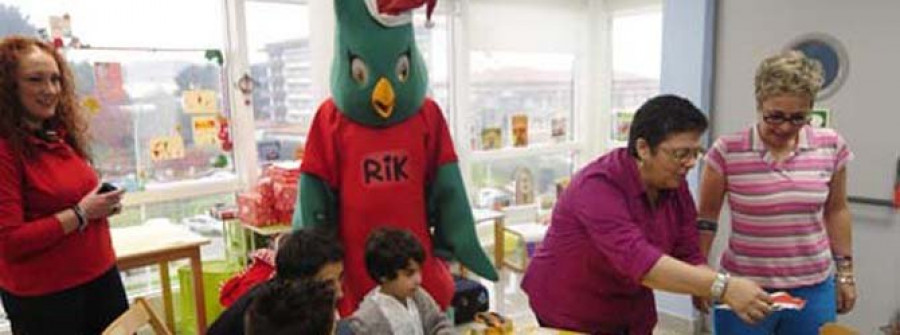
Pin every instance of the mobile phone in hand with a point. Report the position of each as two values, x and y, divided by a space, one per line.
106 188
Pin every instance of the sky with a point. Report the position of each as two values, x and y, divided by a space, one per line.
644 59
194 24
177 23
200 24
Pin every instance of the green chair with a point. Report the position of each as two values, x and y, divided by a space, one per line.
214 274
237 245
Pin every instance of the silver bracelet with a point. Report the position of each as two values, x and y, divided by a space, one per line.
719 285
82 218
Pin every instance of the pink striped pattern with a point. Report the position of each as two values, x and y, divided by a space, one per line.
778 233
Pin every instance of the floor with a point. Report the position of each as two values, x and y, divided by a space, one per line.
514 305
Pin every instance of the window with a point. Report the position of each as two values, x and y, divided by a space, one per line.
141 63
636 55
522 97
281 62
537 88
93 22
434 45
147 138
145 135
280 59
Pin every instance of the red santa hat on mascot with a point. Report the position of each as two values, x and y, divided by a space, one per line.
392 13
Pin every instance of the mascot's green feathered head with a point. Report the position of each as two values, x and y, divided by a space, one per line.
378 76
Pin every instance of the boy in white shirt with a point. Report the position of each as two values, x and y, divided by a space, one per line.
398 305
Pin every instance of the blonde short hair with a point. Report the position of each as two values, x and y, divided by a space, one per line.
789 72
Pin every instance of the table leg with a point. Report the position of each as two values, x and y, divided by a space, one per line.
252 236
227 239
499 241
167 294
199 293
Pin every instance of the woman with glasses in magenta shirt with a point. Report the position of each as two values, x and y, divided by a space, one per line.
786 186
627 225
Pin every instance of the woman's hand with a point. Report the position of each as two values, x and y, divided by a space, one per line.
97 206
846 296
750 302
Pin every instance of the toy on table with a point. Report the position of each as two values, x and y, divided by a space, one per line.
780 301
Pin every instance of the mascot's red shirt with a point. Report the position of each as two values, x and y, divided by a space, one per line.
380 175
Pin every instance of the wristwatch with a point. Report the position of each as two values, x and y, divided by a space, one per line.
717 289
81 217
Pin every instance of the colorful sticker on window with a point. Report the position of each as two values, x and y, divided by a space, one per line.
205 130
166 148
199 101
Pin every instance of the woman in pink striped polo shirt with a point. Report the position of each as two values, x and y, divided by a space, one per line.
786 187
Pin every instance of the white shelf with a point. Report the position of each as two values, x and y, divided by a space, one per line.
181 190
521 152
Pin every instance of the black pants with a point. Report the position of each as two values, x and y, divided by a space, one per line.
82 310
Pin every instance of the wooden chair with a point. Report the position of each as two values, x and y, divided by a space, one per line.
520 222
138 315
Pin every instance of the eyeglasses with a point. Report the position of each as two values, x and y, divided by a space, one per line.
684 155
778 118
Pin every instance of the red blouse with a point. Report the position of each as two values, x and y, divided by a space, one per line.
36 257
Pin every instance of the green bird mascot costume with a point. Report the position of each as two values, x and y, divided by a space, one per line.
379 153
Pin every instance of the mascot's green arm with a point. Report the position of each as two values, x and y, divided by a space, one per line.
454 226
316 204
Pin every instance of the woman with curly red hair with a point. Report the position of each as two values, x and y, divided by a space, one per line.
57 266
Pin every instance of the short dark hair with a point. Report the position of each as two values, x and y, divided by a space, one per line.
662 116
292 307
303 252
389 250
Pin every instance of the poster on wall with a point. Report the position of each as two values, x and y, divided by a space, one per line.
199 101
205 130
820 118
108 81
621 123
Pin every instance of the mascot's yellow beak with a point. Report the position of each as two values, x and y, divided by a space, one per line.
383 98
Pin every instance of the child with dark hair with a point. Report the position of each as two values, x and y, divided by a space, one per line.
292 307
398 305
304 254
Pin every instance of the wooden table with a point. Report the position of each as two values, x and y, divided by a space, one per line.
473 328
267 231
158 244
